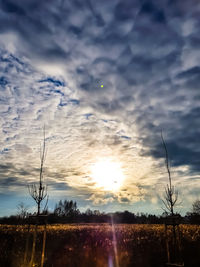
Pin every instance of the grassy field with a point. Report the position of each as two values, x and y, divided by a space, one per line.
88 245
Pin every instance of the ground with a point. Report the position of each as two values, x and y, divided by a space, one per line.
98 245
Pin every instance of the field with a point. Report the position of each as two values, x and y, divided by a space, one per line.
88 245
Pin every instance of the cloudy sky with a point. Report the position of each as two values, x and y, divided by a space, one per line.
104 77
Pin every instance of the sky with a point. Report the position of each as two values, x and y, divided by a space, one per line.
104 77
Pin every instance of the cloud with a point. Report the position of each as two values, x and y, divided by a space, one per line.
54 58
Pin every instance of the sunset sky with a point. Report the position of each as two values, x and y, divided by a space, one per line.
104 77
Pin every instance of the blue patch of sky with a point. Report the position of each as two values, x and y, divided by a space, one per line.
8 110
14 62
125 137
17 60
62 104
16 118
11 138
53 137
56 91
3 82
74 101
5 150
51 80
3 59
88 115
16 90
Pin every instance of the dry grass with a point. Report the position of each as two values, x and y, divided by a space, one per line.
98 245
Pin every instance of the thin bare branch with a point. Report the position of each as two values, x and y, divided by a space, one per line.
39 192
171 194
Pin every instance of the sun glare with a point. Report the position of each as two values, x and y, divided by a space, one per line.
107 174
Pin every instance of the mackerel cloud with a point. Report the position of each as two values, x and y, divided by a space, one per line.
54 57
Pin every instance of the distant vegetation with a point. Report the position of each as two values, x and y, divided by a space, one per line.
67 212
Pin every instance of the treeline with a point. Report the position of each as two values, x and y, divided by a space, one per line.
68 212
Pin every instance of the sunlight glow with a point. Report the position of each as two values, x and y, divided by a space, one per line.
107 174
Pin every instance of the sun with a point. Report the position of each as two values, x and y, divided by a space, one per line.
107 174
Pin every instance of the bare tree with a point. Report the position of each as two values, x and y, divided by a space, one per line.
66 208
171 194
39 191
22 210
174 251
196 206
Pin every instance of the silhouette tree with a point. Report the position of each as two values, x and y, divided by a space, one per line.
171 194
39 191
22 210
66 208
174 254
196 207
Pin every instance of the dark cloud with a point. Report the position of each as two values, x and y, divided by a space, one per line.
190 78
10 7
9 181
126 10
157 15
6 167
125 200
59 186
